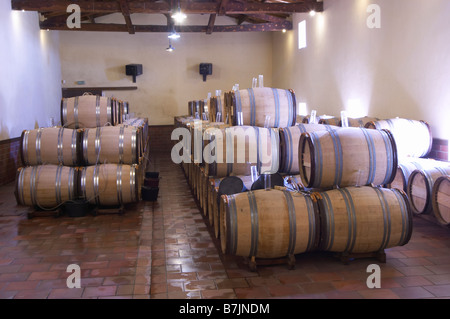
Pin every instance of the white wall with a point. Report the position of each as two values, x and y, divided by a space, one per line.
401 69
30 81
169 80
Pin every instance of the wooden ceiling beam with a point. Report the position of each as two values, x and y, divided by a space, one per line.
266 17
210 27
230 7
126 14
164 28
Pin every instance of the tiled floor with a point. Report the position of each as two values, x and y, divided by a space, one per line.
166 250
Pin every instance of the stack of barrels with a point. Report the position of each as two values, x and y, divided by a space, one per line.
423 179
334 195
93 157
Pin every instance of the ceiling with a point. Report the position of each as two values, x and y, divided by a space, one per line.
249 15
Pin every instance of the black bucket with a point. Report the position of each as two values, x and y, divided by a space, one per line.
76 208
149 194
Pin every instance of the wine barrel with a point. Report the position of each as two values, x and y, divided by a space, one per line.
363 219
347 157
408 165
111 145
330 120
289 140
196 106
45 186
217 104
238 148
359 121
50 145
420 186
440 200
413 138
200 136
257 103
268 224
109 184
214 198
87 111
141 124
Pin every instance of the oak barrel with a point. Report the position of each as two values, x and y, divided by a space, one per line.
420 186
109 184
87 111
363 219
111 145
413 138
257 103
233 150
347 157
359 121
289 140
45 186
50 145
214 197
440 200
330 120
408 165
268 224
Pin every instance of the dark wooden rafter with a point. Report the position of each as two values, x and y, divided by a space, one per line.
126 14
189 7
180 28
270 15
222 7
210 27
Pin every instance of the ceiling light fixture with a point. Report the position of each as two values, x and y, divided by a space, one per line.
170 48
312 13
178 15
174 35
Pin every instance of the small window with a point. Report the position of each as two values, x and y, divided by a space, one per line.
302 34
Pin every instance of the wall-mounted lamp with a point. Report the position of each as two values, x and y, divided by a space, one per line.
205 69
133 70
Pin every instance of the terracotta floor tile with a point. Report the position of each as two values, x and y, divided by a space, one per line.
167 249
43 275
380 293
316 287
231 283
99 291
252 293
66 293
317 277
21 285
284 290
439 290
349 285
199 285
218 294
415 271
412 281
412 293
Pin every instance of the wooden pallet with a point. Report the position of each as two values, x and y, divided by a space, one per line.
36 212
99 210
346 257
254 262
